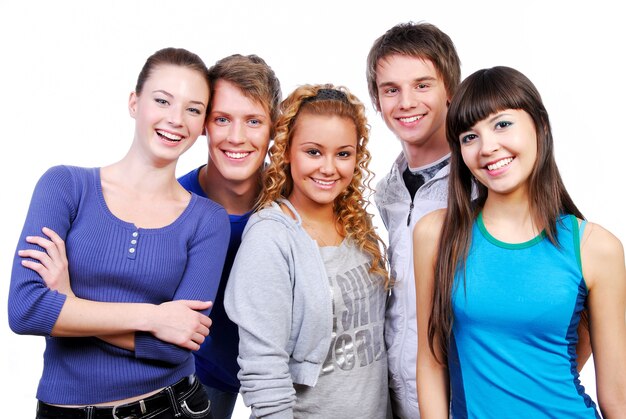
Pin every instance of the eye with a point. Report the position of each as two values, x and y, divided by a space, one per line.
467 138
221 120
344 154
255 122
313 152
161 101
503 124
195 110
422 86
391 91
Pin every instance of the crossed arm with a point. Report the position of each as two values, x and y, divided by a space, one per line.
178 322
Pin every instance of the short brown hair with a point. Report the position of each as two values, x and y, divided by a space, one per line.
419 40
255 79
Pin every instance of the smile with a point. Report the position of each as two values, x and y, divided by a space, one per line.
499 164
410 119
237 155
169 136
324 183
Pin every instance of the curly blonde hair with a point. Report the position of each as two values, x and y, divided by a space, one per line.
350 206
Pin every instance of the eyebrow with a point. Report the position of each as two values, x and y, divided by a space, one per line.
168 94
499 115
251 115
415 80
313 143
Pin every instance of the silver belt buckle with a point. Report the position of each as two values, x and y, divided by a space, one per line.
142 406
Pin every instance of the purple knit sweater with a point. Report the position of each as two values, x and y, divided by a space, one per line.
114 261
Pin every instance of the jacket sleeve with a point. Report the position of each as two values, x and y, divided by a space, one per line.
33 307
205 261
259 300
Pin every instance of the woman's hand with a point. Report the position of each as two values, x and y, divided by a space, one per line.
51 264
179 322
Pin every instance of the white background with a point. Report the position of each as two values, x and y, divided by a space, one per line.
68 66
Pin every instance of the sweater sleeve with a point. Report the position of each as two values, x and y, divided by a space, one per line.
205 261
33 307
259 300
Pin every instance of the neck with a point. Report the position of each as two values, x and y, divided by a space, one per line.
509 218
318 214
142 176
237 197
418 155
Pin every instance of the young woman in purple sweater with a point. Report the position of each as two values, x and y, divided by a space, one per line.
116 265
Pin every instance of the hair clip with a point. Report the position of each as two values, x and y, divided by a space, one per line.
328 94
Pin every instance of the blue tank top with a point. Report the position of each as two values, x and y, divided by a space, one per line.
512 352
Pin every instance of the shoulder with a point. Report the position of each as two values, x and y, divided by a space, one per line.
64 172
601 242
429 226
66 178
602 254
208 211
270 222
190 182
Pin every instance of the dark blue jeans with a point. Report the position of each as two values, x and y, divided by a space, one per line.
184 399
222 402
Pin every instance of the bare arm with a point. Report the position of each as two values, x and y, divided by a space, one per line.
432 376
603 268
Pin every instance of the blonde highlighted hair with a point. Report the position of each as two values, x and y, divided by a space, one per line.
350 206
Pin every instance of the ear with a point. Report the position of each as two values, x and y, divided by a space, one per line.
132 104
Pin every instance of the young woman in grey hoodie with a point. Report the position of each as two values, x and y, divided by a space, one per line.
308 286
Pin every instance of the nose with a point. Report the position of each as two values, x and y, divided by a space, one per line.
175 116
407 99
327 167
489 144
235 134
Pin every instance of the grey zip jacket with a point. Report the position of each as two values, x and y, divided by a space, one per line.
400 214
278 295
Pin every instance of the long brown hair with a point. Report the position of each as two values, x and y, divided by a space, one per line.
481 94
350 206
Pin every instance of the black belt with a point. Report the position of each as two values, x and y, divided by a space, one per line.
159 401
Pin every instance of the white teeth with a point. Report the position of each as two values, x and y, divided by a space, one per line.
234 155
170 136
499 163
411 119
324 183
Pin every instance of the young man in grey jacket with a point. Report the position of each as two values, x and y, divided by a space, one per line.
412 72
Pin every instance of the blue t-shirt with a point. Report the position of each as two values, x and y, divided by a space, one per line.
216 361
516 315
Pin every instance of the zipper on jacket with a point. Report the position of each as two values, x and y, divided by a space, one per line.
408 220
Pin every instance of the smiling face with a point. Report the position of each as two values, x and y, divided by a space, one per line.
322 159
238 132
169 111
413 99
501 151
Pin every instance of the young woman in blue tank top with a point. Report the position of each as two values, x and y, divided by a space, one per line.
504 280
